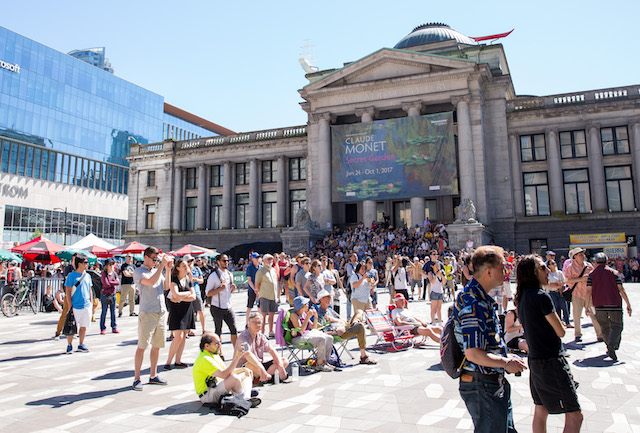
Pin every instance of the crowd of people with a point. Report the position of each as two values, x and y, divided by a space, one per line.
348 268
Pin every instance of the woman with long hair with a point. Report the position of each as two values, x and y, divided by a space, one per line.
181 317
543 330
313 285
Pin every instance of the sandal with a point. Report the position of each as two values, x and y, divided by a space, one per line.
368 361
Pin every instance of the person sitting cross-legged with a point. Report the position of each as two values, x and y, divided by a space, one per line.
334 325
257 344
213 380
403 317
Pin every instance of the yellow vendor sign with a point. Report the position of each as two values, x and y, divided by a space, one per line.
612 244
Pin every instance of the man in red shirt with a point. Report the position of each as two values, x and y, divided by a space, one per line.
605 290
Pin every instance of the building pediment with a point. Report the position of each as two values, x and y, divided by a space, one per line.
388 64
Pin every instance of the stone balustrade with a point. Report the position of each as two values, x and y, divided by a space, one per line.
594 96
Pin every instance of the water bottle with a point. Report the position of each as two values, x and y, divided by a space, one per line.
295 371
276 377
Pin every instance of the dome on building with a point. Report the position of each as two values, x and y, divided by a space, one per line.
430 33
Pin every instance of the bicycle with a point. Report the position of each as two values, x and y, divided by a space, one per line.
24 298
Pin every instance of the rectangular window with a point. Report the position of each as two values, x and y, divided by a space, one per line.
242 210
151 178
192 178
45 164
97 183
116 177
532 148
614 140
13 158
52 166
573 144
298 168
125 182
59 164
91 173
242 173
619 188
192 209
536 194
217 175
269 171
538 246
216 212
109 176
29 166
577 196
37 161
297 200
150 216
269 209
22 154
6 151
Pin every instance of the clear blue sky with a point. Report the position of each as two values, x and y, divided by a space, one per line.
236 64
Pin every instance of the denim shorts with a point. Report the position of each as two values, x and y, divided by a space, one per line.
434 296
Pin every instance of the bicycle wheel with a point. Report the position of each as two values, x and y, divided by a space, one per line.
33 301
9 305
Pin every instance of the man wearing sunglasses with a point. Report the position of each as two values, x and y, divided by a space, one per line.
152 319
219 288
78 290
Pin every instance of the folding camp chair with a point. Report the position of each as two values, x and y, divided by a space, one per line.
389 337
296 352
417 339
341 348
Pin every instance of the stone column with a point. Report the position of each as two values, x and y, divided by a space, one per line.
417 203
178 194
201 213
465 149
368 206
254 192
412 108
556 183
227 192
516 175
635 152
596 170
281 205
324 212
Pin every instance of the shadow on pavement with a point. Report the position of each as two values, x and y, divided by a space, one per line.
121 375
185 408
39 340
436 367
596 361
65 400
25 358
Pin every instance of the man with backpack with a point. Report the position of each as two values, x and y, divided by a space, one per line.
219 288
483 386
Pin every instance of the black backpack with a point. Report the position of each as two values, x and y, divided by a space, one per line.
233 405
451 355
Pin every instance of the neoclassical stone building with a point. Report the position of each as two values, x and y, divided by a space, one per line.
538 169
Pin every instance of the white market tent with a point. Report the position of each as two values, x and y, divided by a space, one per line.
92 240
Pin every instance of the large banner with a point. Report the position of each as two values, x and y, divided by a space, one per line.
394 158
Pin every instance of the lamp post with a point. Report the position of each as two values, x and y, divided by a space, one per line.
64 233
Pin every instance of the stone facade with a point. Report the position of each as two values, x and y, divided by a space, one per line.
492 128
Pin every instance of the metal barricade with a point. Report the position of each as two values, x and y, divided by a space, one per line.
41 284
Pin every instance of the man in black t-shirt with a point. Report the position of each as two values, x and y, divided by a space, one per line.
543 330
127 288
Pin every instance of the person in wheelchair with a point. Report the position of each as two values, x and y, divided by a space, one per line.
403 317
332 324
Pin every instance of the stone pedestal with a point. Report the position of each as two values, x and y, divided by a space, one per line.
459 233
299 240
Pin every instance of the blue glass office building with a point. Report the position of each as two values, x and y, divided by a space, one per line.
65 131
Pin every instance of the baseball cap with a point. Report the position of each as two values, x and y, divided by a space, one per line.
187 257
550 253
322 293
255 255
399 297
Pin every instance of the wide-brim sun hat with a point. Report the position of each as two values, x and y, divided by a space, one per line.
299 302
575 251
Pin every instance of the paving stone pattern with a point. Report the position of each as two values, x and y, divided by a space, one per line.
42 389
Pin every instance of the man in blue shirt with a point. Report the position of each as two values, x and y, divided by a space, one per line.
483 387
78 289
252 291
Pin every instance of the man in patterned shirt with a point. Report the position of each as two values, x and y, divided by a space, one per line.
483 387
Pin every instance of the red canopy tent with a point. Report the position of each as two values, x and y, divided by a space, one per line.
97 251
193 250
39 249
130 247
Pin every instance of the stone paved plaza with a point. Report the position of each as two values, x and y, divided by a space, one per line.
41 389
